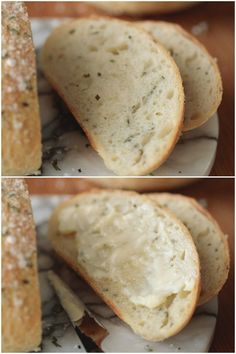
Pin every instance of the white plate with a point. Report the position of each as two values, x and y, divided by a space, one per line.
59 335
67 152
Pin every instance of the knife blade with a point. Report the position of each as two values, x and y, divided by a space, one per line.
88 328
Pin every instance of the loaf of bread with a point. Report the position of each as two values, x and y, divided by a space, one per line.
21 308
199 71
142 184
211 243
21 137
124 89
138 257
135 8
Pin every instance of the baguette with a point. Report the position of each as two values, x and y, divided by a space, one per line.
135 8
138 257
21 307
124 89
199 71
21 137
211 243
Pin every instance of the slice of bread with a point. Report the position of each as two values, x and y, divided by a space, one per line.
211 243
21 133
21 305
138 257
135 8
199 71
123 88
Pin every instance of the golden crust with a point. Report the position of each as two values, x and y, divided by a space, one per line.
70 257
21 307
142 184
21 136
142 8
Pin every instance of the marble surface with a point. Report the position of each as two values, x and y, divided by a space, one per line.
67 152
60 336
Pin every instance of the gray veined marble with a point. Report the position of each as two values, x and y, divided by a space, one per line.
67 152
60 336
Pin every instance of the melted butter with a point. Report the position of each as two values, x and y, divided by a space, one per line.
129 243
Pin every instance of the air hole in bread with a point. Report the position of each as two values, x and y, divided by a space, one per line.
92 48
203 233
147 138
135 107
118 49
141 324
170 94
147 65
166 319
190 59
139 157
169 300
183 294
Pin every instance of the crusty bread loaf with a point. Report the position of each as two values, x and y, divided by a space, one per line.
142 184
21 313
123 88
21 137
138 257
211 243
199 71
135 8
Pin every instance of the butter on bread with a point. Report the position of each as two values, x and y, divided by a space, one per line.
139 258
211 243
21 305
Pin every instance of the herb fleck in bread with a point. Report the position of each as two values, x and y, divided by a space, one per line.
199 71
124 89
210 241
21 307
21 138
138 257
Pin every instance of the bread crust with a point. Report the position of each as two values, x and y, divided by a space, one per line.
21 305
71 260
142 184
158 161
21 132
202 117
208 293
142 8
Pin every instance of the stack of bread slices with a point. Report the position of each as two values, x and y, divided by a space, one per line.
133 87
152 258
